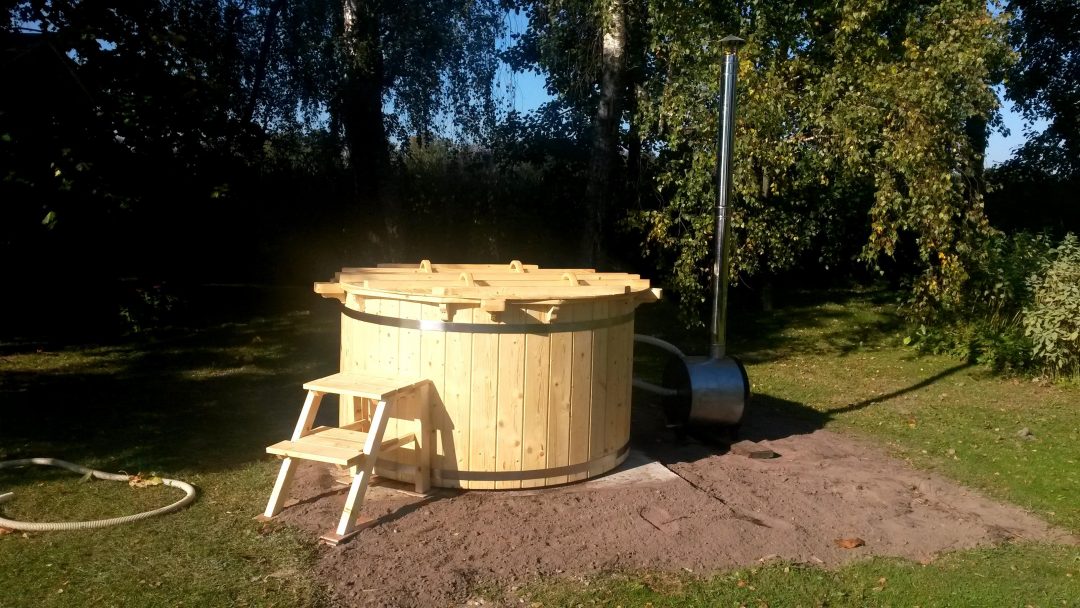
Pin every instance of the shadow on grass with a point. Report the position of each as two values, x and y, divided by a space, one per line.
766 418
187 399
770 417
210 397
834 322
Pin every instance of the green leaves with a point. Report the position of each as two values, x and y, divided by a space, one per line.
852 126
1052 320
1042 83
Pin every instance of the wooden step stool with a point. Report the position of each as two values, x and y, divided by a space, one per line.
366 403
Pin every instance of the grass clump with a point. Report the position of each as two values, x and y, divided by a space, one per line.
1016 575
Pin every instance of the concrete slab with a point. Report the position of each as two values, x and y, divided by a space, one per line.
638 468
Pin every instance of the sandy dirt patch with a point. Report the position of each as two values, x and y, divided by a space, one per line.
720 510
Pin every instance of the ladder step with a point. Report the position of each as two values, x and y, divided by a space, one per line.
334 445
378 388
319 453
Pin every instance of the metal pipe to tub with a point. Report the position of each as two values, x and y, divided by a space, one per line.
710 391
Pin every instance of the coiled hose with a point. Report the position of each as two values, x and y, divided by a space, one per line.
189 497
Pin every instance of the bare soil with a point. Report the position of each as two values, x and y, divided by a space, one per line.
721 511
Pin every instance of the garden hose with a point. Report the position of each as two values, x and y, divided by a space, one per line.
189 497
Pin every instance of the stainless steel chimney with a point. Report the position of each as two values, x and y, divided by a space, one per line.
713 391
724 147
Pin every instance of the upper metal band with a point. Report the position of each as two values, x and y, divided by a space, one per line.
488 328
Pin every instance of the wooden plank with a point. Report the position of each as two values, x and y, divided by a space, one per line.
511 400
350 436
364 385
462 275
408 411
350 361
329 288
581 390
437 266
559 385
369 337
318 453
471 300
325 440
363 418
361 481
483 403
307 414
409 341
433 367
545 278
422 441
457 397
598 421
627 337
535 406
388 355
618 380
281 488
528 292
350 440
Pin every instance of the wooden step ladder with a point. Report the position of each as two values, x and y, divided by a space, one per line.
366 404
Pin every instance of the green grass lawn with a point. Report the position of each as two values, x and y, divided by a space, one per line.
936 412
200 405
1026 575
195 404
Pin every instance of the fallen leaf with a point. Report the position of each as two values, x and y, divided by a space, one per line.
138 481
4 531
849 543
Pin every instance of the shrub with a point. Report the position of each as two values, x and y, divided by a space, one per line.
986 325
1052 319
146 307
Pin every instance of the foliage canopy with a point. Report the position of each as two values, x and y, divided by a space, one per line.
852 117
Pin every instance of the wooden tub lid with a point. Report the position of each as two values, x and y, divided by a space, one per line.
490 286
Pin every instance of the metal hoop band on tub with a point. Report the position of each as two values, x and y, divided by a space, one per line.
486 328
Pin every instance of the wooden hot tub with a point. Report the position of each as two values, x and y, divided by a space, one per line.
531 367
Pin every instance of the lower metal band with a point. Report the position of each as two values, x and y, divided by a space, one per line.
602 464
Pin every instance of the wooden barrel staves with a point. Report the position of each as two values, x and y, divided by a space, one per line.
531 367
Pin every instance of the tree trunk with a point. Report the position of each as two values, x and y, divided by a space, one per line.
263 60
362 118
605 153
361 113
634 77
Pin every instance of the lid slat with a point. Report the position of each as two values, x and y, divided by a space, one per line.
485 285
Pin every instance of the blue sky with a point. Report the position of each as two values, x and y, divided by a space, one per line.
528 93
1000 148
